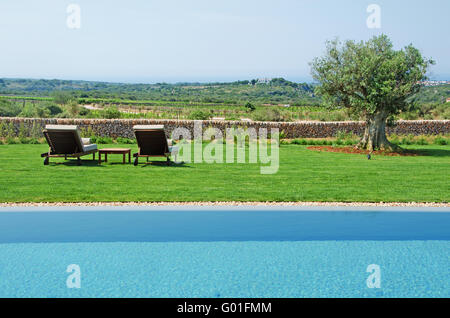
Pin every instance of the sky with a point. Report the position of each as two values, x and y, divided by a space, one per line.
147 41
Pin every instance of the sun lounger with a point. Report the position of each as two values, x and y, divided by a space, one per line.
65 141
152 142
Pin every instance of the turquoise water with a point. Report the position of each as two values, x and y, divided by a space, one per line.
226 269
285 263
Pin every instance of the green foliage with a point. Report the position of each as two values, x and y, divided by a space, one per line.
73 108
267 114
369 77
441 141
250 106
101 140
199 115
126 141
61 97
111 112
9 109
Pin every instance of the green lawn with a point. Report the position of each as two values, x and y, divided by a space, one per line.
303 176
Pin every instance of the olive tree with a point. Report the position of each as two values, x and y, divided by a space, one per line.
373 80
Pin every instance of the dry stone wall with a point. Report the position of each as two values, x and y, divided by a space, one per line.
124 127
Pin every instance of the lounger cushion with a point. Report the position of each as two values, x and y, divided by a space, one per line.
74 128
89 147
61 127
148 127
86 141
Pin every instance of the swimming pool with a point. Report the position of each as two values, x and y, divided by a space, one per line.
224 252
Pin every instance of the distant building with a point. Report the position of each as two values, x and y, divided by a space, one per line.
434 83
448 100
264 80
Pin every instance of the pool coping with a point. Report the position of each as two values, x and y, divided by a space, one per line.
226 203
226 206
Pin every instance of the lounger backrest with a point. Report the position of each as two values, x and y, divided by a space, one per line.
151 140
63 139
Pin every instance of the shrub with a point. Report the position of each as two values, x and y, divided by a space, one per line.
250 106
267 114
103 140
199 115
11 141
53 109
441 141
111 112
421 141
348 142
8 109
121 140
407 140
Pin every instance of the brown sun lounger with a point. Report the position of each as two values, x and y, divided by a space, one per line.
152 142
65 141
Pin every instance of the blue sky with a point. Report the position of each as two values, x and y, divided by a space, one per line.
203 40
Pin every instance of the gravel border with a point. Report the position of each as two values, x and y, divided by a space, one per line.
232 203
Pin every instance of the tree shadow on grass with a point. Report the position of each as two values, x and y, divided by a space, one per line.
164 164
434 152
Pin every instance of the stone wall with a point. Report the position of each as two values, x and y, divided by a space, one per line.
308 129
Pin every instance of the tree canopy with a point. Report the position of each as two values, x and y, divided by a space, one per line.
372 79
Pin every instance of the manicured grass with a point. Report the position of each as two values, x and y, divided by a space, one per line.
303 176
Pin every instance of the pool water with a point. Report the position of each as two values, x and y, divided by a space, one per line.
224 253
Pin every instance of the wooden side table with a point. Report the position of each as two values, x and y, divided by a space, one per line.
113 151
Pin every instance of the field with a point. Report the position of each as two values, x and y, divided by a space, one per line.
303 175
274 100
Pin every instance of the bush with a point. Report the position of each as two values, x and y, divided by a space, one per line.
199 115
8 109
111 112
11 141
250 106
84 112
125 141
441 141
421 141
348 142
407 140
103 140
267 114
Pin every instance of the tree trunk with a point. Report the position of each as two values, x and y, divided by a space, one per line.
375 135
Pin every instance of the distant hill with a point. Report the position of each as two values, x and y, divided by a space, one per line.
269 91
277 90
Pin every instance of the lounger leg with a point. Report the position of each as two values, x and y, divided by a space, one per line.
168 161
93 156
78 161
46 161
136 161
